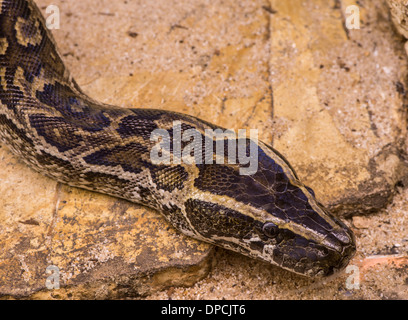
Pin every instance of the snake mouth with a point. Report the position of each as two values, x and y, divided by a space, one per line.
333 263
338 265
311 258
347 254
336 261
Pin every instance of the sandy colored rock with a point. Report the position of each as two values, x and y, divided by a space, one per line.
399 14
330 99
315 90
103 247
344 124
360 222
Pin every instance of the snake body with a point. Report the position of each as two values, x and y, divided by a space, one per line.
61 132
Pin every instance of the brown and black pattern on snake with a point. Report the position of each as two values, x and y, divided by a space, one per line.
48 121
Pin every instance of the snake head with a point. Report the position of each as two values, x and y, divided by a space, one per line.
269 215
306 244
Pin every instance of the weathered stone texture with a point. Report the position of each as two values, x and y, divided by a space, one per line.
329 98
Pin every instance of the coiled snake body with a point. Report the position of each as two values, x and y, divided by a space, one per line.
59 131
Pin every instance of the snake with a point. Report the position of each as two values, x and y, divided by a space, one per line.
48 121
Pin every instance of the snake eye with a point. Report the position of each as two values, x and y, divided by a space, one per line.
270 229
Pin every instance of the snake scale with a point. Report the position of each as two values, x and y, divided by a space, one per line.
62 133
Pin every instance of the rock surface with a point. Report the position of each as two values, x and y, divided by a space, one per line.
329 98
97 246
399 14
335 92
